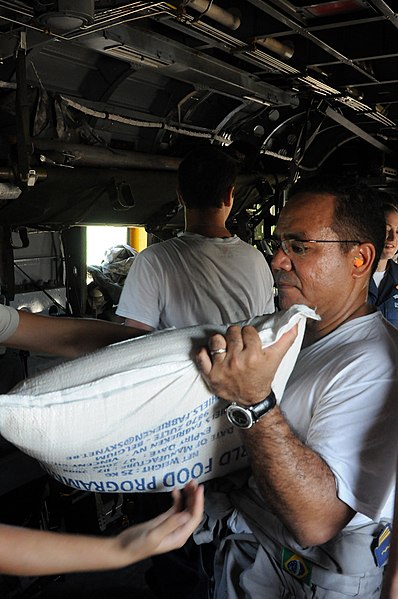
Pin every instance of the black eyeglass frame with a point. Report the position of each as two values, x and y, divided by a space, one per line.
274 244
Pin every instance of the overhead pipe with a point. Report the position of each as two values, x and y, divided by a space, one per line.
8 174
285 51
216 13
83 155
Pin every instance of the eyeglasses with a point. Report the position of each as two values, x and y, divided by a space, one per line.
299 247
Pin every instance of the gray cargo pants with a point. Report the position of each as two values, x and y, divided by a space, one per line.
244 569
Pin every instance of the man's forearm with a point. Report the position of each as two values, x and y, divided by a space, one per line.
67 337
137 324
26 552
295 481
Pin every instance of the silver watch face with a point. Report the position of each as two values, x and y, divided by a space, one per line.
239 416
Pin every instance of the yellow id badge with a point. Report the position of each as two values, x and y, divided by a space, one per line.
296 566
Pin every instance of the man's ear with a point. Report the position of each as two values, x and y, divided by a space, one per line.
230 197
362 259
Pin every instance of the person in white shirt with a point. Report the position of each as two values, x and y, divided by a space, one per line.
383 286
310 518
206 275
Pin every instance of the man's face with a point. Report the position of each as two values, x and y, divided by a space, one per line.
391 243
319 275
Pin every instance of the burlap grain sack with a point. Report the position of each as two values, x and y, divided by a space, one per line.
137 415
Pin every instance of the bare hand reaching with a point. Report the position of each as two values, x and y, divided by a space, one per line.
168 531
28 552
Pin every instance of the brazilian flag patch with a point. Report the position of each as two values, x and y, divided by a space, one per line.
296 566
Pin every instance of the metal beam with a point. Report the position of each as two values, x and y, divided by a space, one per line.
297 28
386 11
341 120
184 64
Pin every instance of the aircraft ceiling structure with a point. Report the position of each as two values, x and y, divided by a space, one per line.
99 100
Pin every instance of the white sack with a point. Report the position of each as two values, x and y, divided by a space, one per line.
137 415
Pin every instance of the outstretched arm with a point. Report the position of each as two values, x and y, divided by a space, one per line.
67 337
296 482
26 552
136 324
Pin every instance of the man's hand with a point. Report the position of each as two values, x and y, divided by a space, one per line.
245 371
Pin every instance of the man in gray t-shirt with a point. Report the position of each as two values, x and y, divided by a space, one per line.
206 275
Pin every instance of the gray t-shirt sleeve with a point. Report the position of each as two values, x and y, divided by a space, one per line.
141 294
9 321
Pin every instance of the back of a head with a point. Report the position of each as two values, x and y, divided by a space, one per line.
359 209
205 176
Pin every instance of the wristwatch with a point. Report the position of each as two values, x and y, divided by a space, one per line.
247 416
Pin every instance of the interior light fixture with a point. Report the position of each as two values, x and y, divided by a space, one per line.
333 8
63 16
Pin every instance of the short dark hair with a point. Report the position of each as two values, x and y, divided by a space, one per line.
358 213
390 207
389 201
205 176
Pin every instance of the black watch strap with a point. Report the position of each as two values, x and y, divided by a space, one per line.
264 406
247 416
